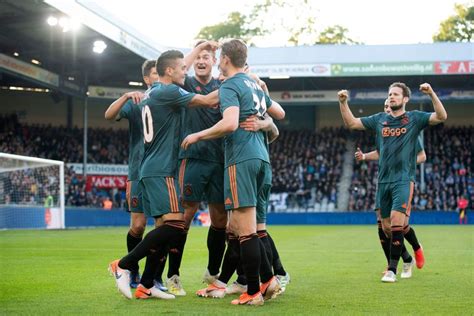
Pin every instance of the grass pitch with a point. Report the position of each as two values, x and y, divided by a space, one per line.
334 270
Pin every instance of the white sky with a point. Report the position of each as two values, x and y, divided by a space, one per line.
175 23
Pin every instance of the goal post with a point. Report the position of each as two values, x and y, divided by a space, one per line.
31 192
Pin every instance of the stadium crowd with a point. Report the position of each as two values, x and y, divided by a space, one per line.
306 165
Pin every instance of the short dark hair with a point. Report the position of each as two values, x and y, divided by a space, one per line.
166 59
147 66
199 42
404 87
236 50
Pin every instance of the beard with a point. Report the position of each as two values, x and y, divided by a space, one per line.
395 107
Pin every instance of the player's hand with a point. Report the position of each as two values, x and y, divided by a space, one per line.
135 96
251 124
210 45
426 88
359 155
343 96
189 140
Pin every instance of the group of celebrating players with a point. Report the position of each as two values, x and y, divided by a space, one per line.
196 139
199 138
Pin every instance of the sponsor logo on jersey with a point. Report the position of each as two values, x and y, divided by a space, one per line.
393 132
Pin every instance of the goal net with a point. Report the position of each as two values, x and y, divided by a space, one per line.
31 192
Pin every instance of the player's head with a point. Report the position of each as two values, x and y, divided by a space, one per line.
149 72
386 106
171 65
221 77
204 62
233 54
398 95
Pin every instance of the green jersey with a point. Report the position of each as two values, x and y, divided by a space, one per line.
397 138
198 119
418 148
161 119
133 114
243 92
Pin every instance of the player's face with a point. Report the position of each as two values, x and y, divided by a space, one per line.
396 98
221 77
386 107
152 77
203 64
223 62
178 73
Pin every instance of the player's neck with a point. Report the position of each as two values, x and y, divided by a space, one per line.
398 113
204 80
233 71
165 80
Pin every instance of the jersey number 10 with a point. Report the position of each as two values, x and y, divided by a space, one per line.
147 124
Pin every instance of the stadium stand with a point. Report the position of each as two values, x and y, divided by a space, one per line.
306 166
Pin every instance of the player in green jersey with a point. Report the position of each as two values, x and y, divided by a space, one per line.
246 161
397 134
384 231
201 172
161 119
127 107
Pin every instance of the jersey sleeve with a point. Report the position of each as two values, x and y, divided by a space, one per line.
176 96
125 111
422 119
268 101
419 145
228 96
370 122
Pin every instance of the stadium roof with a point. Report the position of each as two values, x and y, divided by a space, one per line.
362 53
66 56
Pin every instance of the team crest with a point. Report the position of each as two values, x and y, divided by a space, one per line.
188 189
198 89
134 201
228 201
405 120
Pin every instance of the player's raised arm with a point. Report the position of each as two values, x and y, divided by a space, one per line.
440 115
349 120
208 101
113 110
205 45
228 124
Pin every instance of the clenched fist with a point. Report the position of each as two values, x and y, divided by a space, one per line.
426 88
343 96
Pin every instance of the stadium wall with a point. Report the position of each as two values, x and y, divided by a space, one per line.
330 116
98 217
14 217
39 108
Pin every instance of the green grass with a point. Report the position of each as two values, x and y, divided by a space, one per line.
334 270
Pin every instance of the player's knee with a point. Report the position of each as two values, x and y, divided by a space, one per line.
190 207
218 218
138 229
